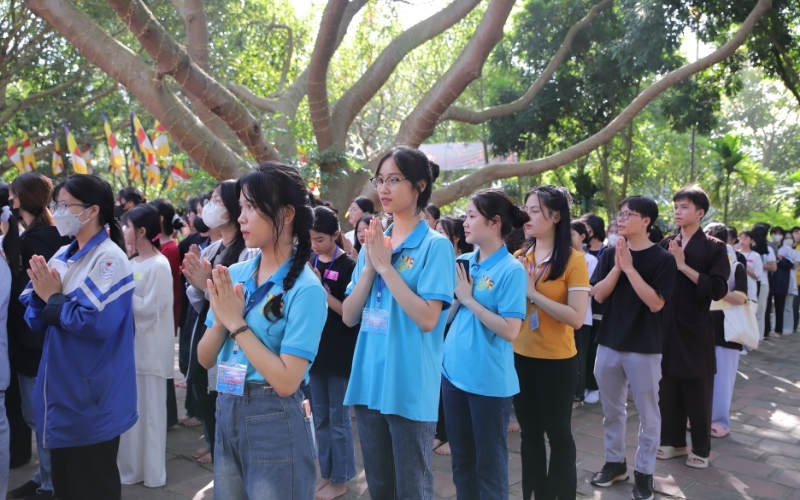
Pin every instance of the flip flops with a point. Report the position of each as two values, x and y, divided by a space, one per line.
702 463
667 452
717 431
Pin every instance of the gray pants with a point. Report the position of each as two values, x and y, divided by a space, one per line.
613 371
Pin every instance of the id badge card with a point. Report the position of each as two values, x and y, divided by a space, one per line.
534 319
230 378
375 321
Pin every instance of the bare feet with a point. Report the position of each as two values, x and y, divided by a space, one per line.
322 484
444 449
331 491
199 452
181 384
513 426
437 443
189 422
205 459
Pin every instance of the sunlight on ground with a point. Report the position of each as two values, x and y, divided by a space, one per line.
207 493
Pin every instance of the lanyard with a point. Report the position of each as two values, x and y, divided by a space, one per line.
254 299
541 273
600 252
381 283
316 261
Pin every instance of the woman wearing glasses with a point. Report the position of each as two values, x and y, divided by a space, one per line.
85 394
401 286
29 196
544 352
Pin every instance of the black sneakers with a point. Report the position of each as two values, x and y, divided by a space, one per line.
643 489
23 491
611 473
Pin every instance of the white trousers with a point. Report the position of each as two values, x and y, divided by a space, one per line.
143 448
724 380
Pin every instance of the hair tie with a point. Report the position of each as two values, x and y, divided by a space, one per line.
5 214
564 191
175 217
156 238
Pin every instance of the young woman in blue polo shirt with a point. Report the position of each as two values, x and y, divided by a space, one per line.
401 286
265 323
479 377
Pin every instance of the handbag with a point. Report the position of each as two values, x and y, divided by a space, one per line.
741 325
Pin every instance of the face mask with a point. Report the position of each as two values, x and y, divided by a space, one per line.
119 211
212 215
777 238
787 243
68 224
612 239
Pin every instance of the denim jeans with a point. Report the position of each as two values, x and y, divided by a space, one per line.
477 426
397 455
337 456
544 407
43 474
5 452
264 447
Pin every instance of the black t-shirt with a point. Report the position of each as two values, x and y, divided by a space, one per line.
338 342
628 324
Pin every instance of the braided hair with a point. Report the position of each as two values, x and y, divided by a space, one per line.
271 187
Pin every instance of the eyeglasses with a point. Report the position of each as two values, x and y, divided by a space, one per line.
59 207
626 215
391 182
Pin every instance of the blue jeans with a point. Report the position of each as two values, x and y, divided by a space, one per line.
43 474
476 429
337 456
397 455
264 447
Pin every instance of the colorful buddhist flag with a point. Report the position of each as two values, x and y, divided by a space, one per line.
28 159
58 162
78 163
147 150
14 156
176 175
161 143
115 158
88 156
135 172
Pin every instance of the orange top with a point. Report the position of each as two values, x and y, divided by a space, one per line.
553 339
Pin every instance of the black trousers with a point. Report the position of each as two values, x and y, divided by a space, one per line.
544 406
19 433
780 304
206 402
582 340
679 398
87 472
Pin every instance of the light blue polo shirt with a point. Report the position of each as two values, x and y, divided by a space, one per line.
305 308
477 360
399 373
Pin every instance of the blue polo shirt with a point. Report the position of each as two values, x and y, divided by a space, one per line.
305 308
399 373
476 360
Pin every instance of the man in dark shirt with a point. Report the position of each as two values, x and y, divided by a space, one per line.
632 279
689 363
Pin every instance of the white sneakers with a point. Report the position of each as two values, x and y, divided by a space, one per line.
591 397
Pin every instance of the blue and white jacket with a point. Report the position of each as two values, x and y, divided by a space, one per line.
85 389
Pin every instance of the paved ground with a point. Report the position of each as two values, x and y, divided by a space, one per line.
759 460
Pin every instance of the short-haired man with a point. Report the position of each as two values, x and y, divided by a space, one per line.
633 280
689 362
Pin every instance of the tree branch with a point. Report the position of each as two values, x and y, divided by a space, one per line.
317 86
459 114
171 59
287 60
373 79
24 103
420 124
469 183
121 64
243 92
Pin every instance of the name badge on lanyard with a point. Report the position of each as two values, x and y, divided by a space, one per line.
231 376
533 319
376 320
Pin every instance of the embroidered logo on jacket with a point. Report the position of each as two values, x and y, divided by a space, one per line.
107 270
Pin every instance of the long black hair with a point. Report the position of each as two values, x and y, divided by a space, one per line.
493 203
93 190
171 220
229 194
326 222
366 220
454 228
556 201
12 242
271 187
416 167
145 216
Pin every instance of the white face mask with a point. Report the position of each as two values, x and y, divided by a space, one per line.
68 224
212 215
777 238
787 243
612 239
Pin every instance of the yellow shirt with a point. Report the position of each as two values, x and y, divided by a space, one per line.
553 339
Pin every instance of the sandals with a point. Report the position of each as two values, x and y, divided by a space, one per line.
701 463
717 431
667 452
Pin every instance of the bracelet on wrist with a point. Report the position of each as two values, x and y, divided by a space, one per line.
239 330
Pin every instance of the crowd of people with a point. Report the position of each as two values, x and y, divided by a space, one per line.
431 330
